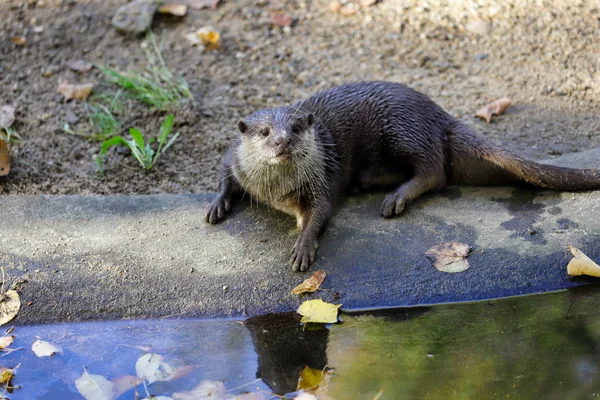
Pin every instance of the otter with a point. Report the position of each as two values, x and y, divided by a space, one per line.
303 158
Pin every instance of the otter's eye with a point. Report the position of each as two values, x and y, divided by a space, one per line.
264 132
296 129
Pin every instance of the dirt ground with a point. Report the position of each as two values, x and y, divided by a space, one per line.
545 55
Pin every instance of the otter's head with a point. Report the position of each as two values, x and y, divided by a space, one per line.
277 135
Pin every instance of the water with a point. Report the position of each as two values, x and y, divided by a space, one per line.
535 347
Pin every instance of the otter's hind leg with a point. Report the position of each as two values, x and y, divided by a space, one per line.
421 182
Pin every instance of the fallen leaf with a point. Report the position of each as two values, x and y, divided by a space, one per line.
7 116
152 368
309 378
200 4
280 19
178 10
159 398
206 390
94 387
79 66
449 257
6 375
19 40
311 284
494 108
125 383
305 396
4 170
318 311
581 264
6 341
42 348
76 92
207 37
10 303
315 382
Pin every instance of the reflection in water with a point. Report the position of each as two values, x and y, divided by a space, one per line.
284 348
536 347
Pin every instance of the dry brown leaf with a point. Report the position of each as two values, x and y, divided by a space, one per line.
280 19
581 264
178 10
449 257
4 159
79 66
200 4
494 108
19 40
311 284
77 92
7 116
10 303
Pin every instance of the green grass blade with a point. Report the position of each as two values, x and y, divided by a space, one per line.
137 137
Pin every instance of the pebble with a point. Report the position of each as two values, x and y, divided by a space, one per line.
135 17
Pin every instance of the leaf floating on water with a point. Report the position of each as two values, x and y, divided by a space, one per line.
94 387
311 284
178 10
42 348
79 66
494 108
318 311
10 303
152 368
449 257
249 396
6 341
581 264
4 170
205 390
76 92
309 378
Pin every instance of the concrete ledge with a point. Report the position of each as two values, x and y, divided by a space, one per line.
153 256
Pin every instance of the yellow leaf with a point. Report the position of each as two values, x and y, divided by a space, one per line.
309 378
311 284
581 264
318 311
6 375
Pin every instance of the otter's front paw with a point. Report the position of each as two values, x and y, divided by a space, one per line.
217 209
303 253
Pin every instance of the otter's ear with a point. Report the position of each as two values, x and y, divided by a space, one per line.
310 119
242 126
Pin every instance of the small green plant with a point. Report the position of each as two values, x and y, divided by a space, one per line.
102 123
9 135
140 149
156 86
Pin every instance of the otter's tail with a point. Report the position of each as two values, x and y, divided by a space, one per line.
475 161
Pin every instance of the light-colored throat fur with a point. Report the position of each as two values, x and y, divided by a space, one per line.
281 185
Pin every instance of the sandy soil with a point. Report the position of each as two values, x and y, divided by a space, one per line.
543 54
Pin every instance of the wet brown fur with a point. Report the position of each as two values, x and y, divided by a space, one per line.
302 158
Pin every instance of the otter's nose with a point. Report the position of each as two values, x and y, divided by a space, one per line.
282 142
